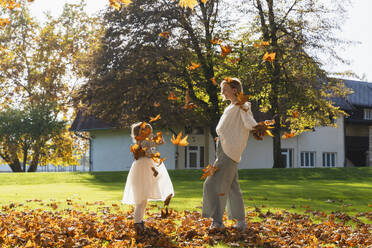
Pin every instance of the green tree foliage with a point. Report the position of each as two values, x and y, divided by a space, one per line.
39 69
147 53
294 88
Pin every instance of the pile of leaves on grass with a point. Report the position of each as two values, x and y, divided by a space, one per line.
109 226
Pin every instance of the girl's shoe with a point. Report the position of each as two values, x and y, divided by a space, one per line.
139 227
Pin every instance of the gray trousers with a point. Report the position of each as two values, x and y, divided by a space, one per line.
223 188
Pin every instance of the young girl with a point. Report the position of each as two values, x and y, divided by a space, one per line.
222 187
146 179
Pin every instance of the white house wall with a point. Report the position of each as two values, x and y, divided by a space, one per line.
259 154
110 150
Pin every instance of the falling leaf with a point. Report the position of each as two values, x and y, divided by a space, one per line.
155 171
193 66
158 138
225 50
144 132
167 200
164 34
269 57
188 3
214 81
156 104
152 119
233 61
4 22
137 151
172 97
265 43
228 79
242 99
209 171
178 141
288 135
189 106
216 41
115 4
262 129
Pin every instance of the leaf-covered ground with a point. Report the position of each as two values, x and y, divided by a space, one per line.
112 227
285 208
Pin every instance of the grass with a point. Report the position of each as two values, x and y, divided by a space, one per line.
324 189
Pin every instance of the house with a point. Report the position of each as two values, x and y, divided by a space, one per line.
347 145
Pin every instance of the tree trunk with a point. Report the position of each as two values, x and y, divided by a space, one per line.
35 161
25 150
15 166
277 151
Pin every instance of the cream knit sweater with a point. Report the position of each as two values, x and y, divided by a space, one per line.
233 129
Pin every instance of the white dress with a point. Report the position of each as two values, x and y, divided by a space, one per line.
143 185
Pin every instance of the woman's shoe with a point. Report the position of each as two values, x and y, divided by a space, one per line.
139 227
217 226
241 225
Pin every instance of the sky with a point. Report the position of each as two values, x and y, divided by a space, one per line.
356 28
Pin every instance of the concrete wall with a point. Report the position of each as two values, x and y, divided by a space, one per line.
111 150
258 154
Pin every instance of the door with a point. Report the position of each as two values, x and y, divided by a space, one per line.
287 158
194 157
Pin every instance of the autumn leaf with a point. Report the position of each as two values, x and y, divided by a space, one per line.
158 138
269 57
156 104
167 200
234 61
193 66
172 97
164 34
144 132
242 99
209 171
216 41
228 79
295 114
178 141
188 3
225 50
262 129
153 119
213 80
265 43
154 171
117 3
4 22
189 106
256 45
288 135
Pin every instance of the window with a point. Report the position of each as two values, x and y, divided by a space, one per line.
329 159
368 114
307 159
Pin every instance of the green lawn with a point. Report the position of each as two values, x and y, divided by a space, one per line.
325 189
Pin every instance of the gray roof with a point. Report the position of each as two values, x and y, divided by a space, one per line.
84 122
362 95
